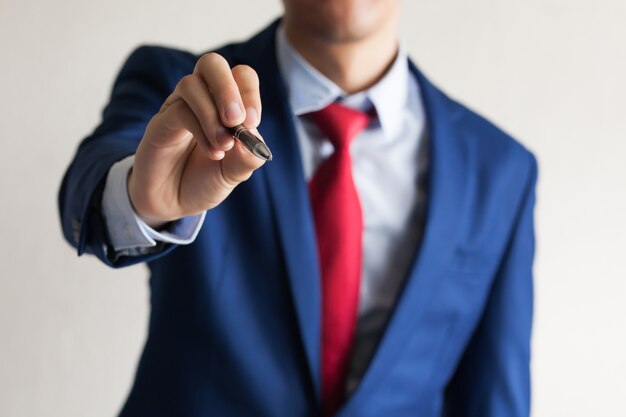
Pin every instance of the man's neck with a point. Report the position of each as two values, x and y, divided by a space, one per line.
353 65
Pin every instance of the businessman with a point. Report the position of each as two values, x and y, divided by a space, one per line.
379 265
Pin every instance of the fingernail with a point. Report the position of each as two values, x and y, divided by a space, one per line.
233 112
252 117
224 139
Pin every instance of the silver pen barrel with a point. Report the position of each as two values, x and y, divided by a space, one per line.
251 141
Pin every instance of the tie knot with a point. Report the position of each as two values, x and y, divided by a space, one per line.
339 123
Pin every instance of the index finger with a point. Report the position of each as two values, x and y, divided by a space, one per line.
216 73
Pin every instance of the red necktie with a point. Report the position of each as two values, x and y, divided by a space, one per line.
339 229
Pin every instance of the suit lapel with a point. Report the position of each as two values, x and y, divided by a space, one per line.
445 193
287 190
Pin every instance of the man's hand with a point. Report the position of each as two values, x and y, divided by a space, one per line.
187 162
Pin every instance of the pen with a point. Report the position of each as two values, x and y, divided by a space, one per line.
251 142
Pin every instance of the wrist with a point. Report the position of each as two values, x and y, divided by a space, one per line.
154 223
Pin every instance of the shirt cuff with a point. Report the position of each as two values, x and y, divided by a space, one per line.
127 231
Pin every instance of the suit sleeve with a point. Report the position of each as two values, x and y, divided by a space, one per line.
145 80
493 376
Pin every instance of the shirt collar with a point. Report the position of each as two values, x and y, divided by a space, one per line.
309 90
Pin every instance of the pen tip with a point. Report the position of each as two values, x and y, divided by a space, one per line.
263 151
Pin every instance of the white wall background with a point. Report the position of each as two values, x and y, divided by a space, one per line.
551 72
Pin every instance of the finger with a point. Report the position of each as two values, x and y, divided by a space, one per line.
216 72
248 82
239 164
192 89
179 116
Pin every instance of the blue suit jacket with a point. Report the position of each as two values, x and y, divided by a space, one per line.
235 323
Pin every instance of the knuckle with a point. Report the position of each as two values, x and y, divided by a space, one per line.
246 77
209 60
178 109
187 83
169 120
245 70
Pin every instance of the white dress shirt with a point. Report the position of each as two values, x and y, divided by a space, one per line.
389 162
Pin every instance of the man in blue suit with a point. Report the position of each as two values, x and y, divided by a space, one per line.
379 265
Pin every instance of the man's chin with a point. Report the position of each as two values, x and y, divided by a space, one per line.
344 32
